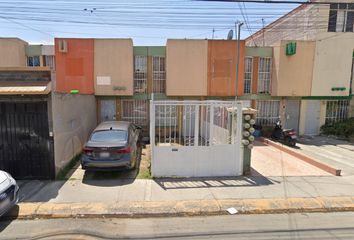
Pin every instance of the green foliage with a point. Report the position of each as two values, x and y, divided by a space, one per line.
342 129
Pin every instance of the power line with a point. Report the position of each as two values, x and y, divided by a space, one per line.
271 2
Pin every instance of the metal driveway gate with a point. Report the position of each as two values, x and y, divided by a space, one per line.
25 146
196 138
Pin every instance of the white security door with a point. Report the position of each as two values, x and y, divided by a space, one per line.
292 113
312 120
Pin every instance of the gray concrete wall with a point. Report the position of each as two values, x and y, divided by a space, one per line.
74 117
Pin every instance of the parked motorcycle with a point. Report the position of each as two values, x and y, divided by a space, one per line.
286 136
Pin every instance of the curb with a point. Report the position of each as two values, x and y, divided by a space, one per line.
309 160
180 208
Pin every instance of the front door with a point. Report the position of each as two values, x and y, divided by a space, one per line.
312 120
292 113
108 110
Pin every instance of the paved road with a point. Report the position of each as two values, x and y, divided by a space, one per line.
281 226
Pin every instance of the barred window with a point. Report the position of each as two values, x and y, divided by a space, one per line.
336 111
140 74
268 112
264 75
159 74
248 75
50 62
135 111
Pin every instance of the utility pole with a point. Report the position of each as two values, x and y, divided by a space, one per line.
213 33
238 26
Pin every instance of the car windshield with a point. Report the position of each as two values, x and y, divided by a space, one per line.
109 136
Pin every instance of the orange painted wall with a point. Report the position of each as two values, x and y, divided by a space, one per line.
74 68
222 68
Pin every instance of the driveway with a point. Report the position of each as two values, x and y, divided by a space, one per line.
336 153
269 161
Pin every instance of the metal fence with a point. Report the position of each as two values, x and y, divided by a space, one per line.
158 74
193 123
248 75
264 75
140 74
135 111
336 110
268 112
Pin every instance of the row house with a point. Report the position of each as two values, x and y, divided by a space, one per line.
41 130
124 78
313 64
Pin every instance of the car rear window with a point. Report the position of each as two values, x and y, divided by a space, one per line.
109 136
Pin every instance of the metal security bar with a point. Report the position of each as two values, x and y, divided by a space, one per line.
264 75
248 75
336 110
140 74
268 112
159 74
193 123
135 111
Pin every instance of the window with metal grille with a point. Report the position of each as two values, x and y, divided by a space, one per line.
336 110
264 75
158 74
341 17
140 74
248 75
135 111
268 112
50 62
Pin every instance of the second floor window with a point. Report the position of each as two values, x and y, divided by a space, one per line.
50 62
140 74
341 17
33 61
248 75
264 75
158 74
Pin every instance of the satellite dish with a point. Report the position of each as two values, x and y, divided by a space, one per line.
230 35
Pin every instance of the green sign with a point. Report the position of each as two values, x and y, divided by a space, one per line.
338 88
290 48
119 88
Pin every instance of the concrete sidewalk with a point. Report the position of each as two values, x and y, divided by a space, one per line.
137 197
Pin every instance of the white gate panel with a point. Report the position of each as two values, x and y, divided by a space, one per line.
199 161
197 139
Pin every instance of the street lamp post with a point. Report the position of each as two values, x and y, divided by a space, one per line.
238 26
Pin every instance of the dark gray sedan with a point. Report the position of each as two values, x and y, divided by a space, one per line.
8 192
112 145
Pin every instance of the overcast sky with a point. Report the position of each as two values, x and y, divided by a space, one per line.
146 22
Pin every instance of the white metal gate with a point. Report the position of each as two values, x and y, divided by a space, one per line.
196 138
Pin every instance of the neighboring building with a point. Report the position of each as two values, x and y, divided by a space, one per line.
12 52
40 130
313 52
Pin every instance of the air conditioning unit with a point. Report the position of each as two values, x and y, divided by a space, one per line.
63 46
